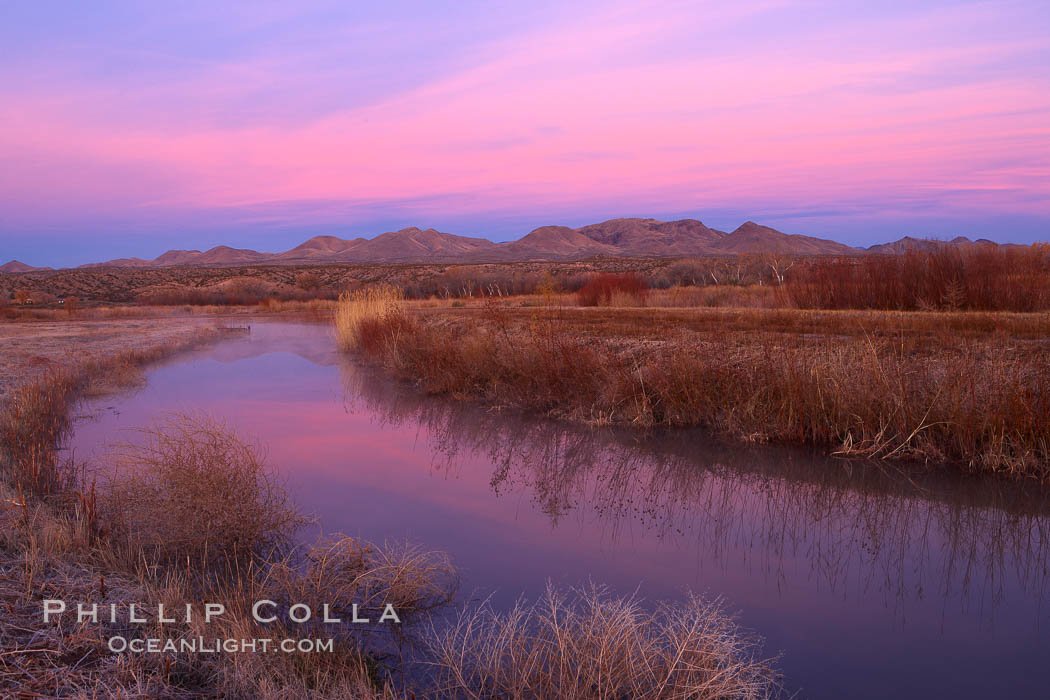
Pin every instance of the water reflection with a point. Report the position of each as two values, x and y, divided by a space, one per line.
872 583
855 528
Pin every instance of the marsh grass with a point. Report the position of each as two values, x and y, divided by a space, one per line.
586 643
337 571
196 515
980 405
345 571
36 417
313 307
34 421
364 319
739 296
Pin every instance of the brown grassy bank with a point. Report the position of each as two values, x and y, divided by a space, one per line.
36 417
192 513
981 403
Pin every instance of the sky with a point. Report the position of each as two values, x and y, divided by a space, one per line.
129 128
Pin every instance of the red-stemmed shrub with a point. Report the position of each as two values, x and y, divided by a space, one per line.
609 289
984 278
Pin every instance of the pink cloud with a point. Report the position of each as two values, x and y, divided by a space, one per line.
591 109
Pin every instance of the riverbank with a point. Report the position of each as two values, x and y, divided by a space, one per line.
109 540
970 390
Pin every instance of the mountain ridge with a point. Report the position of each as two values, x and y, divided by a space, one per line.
622 237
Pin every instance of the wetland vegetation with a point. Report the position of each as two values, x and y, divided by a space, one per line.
937 362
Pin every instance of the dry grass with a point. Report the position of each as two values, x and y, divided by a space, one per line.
314 307
358 314
738 296
191 491
53 548
40 559
923 394
365 661
344 571
36 417
589 644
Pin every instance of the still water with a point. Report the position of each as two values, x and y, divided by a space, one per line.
869 583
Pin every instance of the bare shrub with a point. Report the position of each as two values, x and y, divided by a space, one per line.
587 643
193 491
625 289
308 281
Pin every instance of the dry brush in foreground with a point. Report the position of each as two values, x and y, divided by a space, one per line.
586 643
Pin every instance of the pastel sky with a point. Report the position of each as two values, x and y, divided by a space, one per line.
128 128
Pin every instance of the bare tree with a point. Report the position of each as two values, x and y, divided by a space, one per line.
779 267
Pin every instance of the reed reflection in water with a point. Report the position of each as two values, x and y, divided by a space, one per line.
854 528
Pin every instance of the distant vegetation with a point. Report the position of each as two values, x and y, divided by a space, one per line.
982 278
977 277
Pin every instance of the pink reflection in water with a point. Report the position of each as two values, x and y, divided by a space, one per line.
916 579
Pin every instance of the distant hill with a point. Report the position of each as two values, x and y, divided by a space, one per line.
16 266
616 237
552 243
753 238
909 244
412 245
649 237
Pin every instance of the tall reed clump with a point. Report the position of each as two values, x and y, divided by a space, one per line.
587 643
34 421
357 579
983 408
367 318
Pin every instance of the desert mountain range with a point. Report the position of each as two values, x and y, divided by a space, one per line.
617 237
